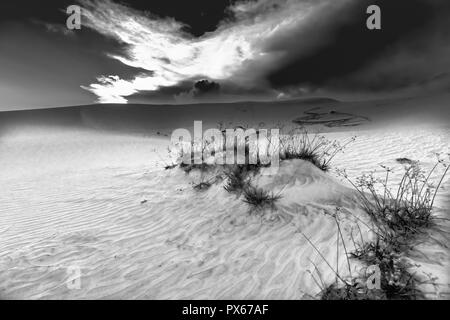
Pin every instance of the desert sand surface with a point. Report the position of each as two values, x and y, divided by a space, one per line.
85 187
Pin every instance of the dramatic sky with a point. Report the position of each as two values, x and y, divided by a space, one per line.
177 51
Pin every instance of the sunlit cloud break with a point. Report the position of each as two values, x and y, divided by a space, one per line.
171 55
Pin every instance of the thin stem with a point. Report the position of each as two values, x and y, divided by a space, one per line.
345 248
438 186
320 254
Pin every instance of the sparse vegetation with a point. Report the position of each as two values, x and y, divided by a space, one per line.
355 291
259 198
404 160
201 186
237 179
314 148
397 218
170 166
193 166
396 282
398 215
348 289
403 213
298 144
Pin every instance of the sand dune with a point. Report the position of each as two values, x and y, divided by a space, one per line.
85 188
180 244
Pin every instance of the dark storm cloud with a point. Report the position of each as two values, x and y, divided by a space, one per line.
163 95
187 91
202 90
222 55
205 87
343 54
280 48
198 16
155 51
42 63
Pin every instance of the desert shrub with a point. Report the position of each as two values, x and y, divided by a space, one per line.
356 291
193 166
404 160
197 149
300 144
343 288
259 198
201 186
214 149
170 166
396 282
402 212
237 179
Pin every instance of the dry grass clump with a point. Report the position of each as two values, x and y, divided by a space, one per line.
196 157
398 217
298 144
237 178
193 166
396 282
315 148
239 182
405 211
259 198
356 291
208 154
202 186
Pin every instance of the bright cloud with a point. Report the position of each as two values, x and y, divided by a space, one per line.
172 56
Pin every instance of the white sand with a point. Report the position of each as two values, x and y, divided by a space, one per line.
71 197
